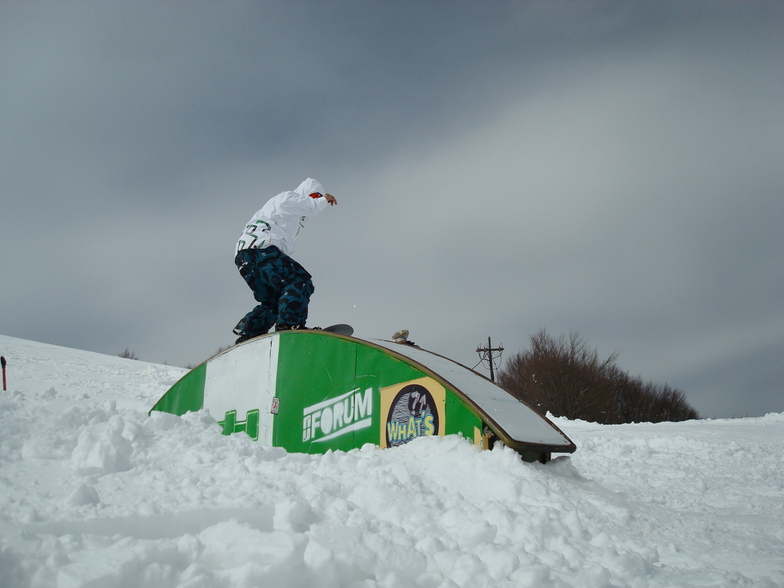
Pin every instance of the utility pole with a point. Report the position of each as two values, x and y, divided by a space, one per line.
489 354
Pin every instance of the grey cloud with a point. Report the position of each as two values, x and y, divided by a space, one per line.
609 168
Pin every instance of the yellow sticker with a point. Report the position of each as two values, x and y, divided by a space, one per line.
410 410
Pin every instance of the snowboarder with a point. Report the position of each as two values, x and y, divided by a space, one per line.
281 286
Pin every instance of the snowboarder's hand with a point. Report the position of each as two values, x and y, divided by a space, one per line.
331 199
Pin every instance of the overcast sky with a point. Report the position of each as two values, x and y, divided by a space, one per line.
610 168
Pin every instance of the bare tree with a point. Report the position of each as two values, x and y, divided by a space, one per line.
128 354
566 377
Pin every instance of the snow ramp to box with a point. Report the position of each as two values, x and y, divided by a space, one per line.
312 391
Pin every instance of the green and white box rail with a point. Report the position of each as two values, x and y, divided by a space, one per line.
312 391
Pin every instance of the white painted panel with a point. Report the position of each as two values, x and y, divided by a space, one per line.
520 422
244 379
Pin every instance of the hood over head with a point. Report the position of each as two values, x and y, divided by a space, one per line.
310 186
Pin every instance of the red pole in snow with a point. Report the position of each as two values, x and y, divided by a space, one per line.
2 362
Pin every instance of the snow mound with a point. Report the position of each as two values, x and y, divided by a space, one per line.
96 493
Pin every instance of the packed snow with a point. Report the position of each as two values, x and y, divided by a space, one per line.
95 493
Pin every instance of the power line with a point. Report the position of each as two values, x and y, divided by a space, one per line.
488 356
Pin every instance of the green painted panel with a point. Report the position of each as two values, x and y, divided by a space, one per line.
187 395
460 419
322 404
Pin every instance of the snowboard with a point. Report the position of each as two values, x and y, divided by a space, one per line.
340 329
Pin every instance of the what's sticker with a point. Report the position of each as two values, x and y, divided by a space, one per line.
410 410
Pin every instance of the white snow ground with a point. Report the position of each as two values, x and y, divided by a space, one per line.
95 493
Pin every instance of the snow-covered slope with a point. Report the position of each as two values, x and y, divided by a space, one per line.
95 493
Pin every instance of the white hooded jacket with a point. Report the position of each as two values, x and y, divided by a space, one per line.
279 220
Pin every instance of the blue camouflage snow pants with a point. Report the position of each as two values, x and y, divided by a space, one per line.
281 286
